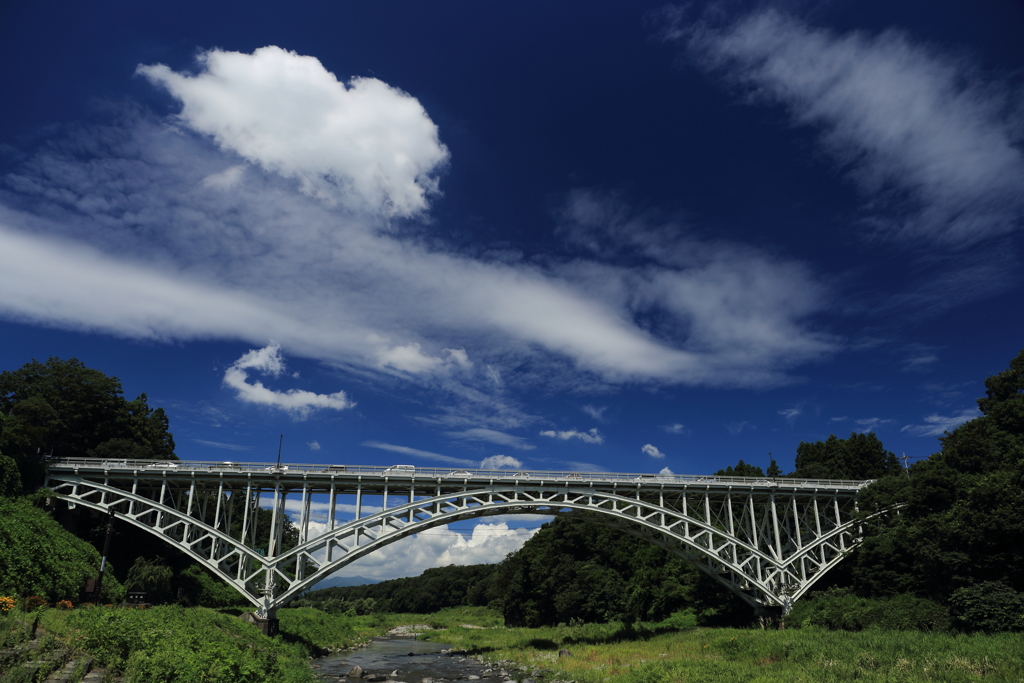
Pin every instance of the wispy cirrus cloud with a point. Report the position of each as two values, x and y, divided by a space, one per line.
492 436
417 453
937 425
224 446
592 436
242 216
922 133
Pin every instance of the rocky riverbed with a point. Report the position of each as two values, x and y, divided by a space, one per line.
400 658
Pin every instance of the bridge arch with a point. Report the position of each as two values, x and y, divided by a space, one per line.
768 543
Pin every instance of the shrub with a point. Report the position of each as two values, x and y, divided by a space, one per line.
989 606
841 610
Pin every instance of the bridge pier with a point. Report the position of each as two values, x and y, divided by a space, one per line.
268 626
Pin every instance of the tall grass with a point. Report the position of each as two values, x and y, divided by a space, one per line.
170 643
617 654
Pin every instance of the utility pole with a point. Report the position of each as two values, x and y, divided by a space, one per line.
905 458
106 551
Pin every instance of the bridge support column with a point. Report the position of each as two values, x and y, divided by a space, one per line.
268 626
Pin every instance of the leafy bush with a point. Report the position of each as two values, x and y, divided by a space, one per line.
202 588
841 610
171 643
40 558
990 606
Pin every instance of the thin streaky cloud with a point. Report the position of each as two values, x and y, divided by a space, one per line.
224 446
893 111
593 436
417 453
937 425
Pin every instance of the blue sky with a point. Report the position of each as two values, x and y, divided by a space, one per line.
593 236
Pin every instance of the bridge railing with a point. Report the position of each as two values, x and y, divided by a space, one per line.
411 471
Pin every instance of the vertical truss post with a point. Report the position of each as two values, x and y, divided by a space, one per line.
732 528
188 511
135 488
272 541
359 509
775 524
331 521
797 521
255 514
216 518
839 522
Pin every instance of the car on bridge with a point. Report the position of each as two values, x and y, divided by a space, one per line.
460 473
164 465
401 469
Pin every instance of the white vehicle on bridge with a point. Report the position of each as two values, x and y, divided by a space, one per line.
401 469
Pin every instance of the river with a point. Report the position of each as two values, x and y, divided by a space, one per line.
411 661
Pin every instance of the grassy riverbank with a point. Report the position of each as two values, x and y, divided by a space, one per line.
611 653
171 643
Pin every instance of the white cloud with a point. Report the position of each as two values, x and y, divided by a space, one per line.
161 235
593 436
676 428
494 462
870 423
493 436
224 446
313 445
652 451
415 452
595 412
410 358
665 471
440 547
224 180
297 402
907 121
367 143
919 363
791 413
937 425
740 427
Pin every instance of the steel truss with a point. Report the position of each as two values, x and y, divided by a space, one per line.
767 541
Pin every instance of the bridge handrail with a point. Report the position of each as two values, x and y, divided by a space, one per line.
458 473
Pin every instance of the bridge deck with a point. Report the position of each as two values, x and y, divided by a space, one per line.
312 473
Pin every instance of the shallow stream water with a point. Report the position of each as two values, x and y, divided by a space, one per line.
412 660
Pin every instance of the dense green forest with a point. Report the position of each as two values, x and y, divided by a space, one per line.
944 539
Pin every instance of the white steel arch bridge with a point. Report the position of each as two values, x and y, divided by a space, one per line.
767 540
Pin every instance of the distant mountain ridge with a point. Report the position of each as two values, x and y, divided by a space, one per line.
343 581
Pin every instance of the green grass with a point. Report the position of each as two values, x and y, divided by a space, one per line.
610 652
321 631
184 645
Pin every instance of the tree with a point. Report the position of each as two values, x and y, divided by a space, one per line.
861 456
63 408
960 521
742 469
152 576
